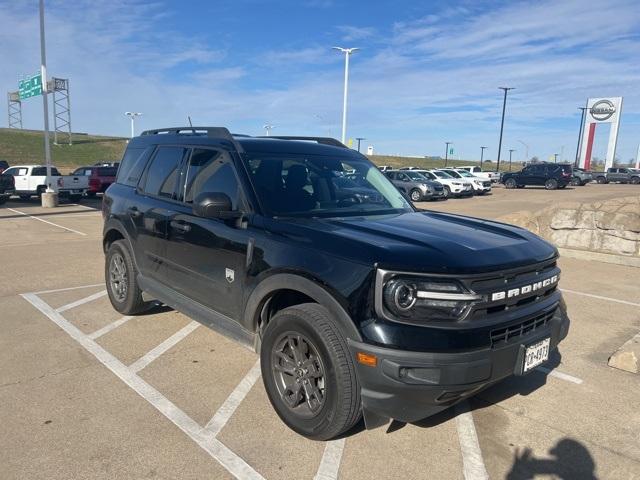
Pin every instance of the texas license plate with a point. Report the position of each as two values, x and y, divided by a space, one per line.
536 354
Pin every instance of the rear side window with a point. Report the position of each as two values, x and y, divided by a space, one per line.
210 171
163 171
132 165
107 171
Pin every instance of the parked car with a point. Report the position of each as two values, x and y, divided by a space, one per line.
478 172
480 186
99 178
409 168
549 175
7 187
384 168
107 164
619 175
581 177
31 180
415 185
357 308
454 187
3 165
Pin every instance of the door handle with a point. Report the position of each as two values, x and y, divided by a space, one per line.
134 212
182 227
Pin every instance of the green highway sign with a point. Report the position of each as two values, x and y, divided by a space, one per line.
451 151
30 87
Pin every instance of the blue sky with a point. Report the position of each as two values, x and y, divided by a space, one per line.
427 72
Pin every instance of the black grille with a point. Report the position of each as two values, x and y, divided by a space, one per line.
507 334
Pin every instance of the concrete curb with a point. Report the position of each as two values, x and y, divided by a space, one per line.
627 261
627 357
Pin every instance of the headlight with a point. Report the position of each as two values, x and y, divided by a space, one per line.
426 187
478 183
418 299
457 183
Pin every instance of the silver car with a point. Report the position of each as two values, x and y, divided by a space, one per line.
416 185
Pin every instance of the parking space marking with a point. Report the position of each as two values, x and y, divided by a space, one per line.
331 458
561 375
45 221
227 409
472 462
600 297
216 449
150 356
106 329
82 301
68 289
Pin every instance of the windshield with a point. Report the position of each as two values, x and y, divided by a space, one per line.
415 176
322 186
464 173
440 174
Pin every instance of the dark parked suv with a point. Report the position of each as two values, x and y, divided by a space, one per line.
549 175
357 303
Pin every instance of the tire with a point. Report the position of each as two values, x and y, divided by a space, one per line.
312 332
575 181
601 180
123 290
520 186
3 199
551 184
415 195
510 183
40 190
447 192
635 180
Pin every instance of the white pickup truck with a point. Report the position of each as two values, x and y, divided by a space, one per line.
31 180
478 172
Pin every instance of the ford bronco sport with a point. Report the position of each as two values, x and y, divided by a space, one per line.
357 303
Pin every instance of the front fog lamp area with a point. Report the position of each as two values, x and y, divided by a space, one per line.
426 300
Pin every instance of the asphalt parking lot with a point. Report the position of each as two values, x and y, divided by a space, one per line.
86 393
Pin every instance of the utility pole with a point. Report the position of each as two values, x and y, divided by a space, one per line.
504 106
347 53
49 198
575 164
555 158
132 116
359 139
446 153
482 149
511 150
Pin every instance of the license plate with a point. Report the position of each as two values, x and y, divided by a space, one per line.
536 354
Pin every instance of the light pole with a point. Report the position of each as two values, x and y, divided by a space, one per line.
526 149
132 116
268 128
504 106
511 150
50 197
359 139
347 53
555 158
582 115
482 149
446 153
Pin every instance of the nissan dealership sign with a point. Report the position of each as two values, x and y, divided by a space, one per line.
600 110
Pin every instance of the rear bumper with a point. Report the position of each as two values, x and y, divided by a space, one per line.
409 386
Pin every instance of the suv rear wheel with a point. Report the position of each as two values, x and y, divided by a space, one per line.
511 183
635 180
576 182
120 276
308 372
601 180
551 184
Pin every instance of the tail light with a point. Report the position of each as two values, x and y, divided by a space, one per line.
94 182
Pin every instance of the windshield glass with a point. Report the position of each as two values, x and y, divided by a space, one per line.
442 174
464 173
415 176
322 186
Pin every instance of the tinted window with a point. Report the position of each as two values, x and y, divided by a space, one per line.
210 171
107 171
85 172
132 165
163 172
42 172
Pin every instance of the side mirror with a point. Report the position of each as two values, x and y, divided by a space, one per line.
214 205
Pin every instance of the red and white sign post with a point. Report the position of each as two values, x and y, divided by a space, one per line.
600 110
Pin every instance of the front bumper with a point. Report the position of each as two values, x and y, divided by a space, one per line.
409 386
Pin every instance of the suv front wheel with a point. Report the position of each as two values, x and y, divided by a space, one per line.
308 372
120 276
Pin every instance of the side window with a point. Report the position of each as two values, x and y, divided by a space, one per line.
403 177
39 172
623 170
162 173
132 165
210 171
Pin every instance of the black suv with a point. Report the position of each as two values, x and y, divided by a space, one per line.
549 175
357 302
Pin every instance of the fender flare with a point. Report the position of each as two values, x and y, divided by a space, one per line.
114 224
288 281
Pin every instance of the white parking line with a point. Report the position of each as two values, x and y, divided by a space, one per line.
149 357
331 458
561 375
472 462
226 410
229 460
82 301
68 289
50 223
106 329
600 297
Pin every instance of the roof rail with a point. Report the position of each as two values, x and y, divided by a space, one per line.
322 140
213 132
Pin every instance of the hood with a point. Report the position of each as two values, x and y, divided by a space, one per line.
420 241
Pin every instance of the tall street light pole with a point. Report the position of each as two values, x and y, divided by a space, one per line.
51 197
504 106
511 150
347 53
575 164
446 153
555 158
482 149
268 128
132 116
359 139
